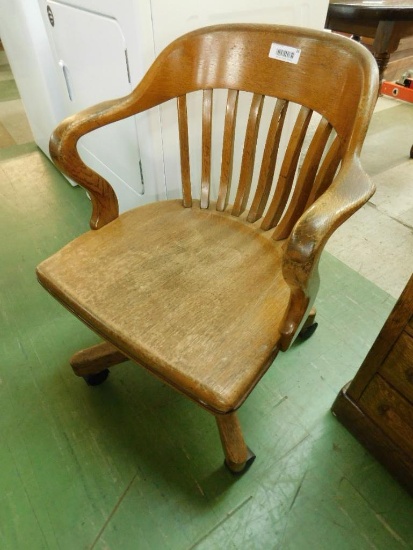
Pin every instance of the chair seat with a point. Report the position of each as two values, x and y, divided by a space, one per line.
182 291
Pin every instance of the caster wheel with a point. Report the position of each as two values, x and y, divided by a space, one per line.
248 463
306 333
96 379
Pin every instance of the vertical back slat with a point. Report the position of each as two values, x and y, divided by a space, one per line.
206 147
268 161
227 150
327 171
305 180
288 169
184 151
248 155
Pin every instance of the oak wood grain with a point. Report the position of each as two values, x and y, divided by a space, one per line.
228 150
179 311
248 155
326 171
288 170
305 181
206 147
268 162
184 151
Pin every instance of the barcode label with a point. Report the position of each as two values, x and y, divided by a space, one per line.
284 53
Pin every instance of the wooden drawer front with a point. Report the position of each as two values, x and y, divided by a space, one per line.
390 411
398 366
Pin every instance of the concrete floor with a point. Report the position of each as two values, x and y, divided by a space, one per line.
377 241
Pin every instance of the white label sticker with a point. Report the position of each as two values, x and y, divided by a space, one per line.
284 53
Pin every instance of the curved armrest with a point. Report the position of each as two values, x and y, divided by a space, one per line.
350 189
64 153
160 83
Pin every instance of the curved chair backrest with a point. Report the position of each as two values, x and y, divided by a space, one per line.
321 72
332 75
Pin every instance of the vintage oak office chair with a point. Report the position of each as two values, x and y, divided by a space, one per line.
204 294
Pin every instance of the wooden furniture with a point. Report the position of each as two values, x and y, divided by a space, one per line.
205 293
377 406
385 23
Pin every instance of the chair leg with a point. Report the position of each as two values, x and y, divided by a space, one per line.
238 457
96 359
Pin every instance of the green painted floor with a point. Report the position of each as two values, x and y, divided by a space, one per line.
133 465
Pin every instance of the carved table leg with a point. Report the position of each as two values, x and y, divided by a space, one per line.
382 60
385 43
238 457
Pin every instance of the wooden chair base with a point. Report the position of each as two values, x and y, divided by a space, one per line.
96 359
93 363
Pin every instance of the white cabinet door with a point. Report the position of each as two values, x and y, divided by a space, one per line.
91 52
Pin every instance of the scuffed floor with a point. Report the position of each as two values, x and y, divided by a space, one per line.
132 464
378 240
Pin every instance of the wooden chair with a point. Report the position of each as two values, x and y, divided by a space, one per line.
202 293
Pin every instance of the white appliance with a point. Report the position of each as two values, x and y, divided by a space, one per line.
99 49
28 51
94 63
